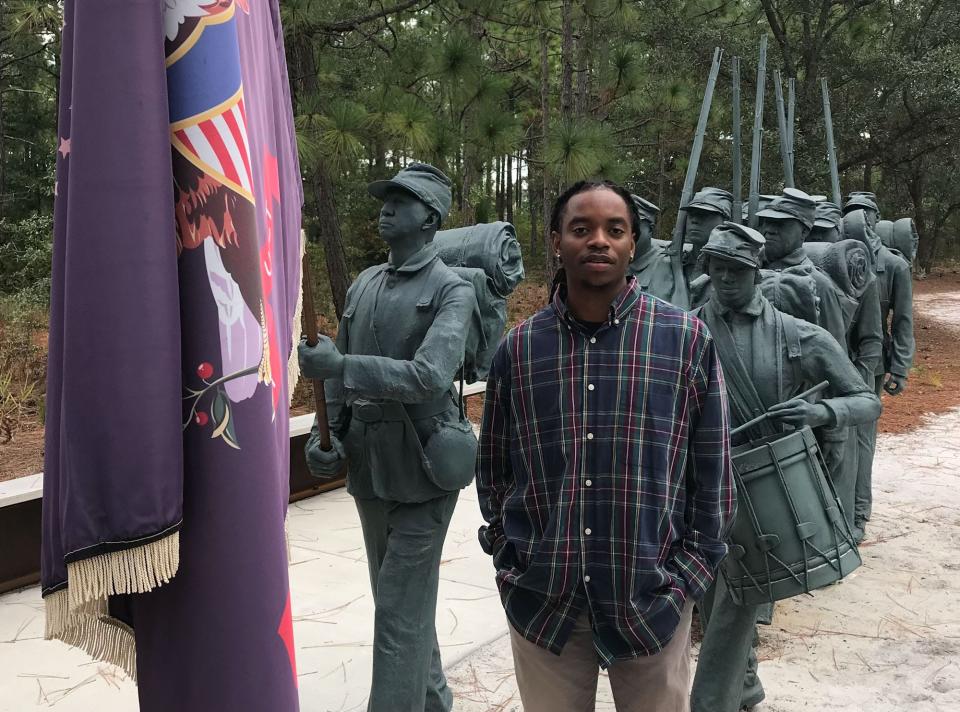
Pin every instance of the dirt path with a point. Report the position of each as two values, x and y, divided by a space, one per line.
887 639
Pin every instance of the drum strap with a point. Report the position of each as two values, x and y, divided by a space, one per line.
744 399
792 336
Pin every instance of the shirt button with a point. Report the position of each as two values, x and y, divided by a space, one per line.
590 387
589 436
588 531
593 339
616 321
589 483
586 579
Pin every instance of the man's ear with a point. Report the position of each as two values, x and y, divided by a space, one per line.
432 222
555 239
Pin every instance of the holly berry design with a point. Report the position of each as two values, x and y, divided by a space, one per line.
214 394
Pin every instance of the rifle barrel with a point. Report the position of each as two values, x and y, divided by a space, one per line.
757 134
782 125
677 241
737 149
831 148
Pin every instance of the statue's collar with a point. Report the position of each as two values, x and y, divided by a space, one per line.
794 259
754 308
417 261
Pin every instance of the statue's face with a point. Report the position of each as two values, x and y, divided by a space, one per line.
783 236
403 216
733 282
595 241
700 224
824 234
644 236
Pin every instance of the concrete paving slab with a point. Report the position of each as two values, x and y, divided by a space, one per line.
332 618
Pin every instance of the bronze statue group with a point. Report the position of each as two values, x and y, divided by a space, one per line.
686 425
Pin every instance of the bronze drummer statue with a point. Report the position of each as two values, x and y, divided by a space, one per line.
768 358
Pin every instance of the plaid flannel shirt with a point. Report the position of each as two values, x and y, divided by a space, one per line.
604 473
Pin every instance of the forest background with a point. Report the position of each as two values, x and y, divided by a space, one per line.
514 99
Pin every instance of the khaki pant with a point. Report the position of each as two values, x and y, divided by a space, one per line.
568 682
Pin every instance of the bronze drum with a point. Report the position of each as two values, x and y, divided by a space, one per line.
790 535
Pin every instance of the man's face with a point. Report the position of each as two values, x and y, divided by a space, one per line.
595 241
733 282
783 236
700 224
403 216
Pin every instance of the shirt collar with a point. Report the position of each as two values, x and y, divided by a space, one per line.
753 308
427 254
619 308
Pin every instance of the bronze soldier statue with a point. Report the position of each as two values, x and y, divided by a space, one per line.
827 224
707 208
785 223
895 289
779 357
388 381
656 273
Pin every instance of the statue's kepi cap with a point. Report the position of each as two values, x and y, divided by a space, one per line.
792 205
645 209
861 200
828 215
427 183
713 200
735 242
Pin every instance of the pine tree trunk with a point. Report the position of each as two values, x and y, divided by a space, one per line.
518 181
566 62
549 262
330 236
508 198
532 189
323 191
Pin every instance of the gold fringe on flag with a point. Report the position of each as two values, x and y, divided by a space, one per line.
293 365
78 614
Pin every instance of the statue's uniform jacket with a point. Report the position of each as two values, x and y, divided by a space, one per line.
724 680
402 332
831 311
660 275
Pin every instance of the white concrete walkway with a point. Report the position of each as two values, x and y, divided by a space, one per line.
333 619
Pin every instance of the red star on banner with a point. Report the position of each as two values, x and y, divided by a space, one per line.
64 147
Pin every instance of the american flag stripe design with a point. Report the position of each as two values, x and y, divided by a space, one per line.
220 144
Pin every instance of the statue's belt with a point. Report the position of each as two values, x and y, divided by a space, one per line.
378 412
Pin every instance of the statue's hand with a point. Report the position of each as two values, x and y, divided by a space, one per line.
325 464
798 412
894 385
322 361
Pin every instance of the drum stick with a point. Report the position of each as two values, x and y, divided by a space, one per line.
760 418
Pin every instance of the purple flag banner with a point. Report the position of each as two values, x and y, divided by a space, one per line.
173 305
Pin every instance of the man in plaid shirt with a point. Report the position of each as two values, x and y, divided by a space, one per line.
604 474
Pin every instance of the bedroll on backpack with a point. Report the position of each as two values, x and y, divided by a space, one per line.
487 256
